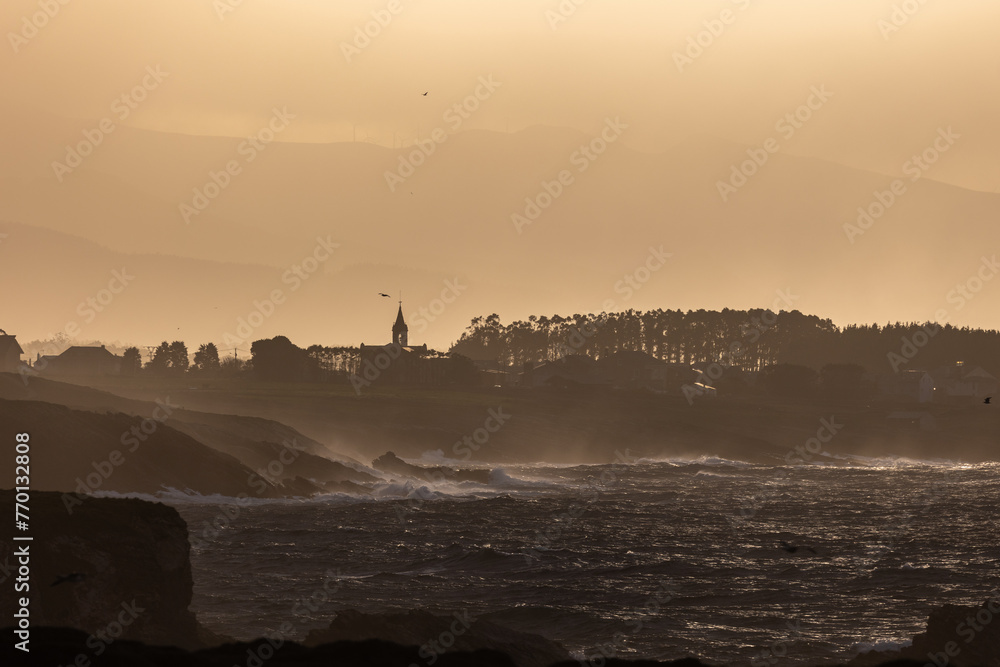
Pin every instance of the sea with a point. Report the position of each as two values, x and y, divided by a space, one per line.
729 561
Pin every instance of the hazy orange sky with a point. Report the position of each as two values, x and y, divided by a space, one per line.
898 73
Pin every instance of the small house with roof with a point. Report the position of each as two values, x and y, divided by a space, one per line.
10 353
958 382
80 360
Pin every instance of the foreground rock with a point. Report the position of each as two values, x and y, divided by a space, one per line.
436 635
112 568
63 646
394 465
956 636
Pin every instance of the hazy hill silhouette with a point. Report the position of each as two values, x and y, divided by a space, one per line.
205 298
784 229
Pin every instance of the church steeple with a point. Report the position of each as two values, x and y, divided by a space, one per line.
399 329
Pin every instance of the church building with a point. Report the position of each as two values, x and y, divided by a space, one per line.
398 362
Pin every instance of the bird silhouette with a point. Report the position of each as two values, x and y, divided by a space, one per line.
425 94
72 577
987 401
790 548
385 295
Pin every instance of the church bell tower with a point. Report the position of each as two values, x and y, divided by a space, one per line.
399 329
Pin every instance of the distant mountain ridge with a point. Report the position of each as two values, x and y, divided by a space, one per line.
785 228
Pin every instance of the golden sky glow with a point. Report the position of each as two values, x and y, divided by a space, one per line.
898 74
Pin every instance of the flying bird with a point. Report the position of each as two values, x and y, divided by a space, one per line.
425 94
385 295
987 401
72 577
794 549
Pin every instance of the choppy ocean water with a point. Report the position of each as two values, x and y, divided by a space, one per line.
654 559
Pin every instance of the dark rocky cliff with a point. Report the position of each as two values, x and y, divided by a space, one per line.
121 565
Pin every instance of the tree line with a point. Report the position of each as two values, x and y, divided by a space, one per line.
746 340
272 359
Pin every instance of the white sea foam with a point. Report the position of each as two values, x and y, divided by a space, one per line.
704 460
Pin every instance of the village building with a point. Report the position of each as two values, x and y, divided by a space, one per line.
10 353
79 360
958 382
638 370
576 371
399 363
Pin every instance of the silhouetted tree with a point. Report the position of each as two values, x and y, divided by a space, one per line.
206 359
739 340
169 358
160 363
278 359
179 360
131 361
461 370
231 366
